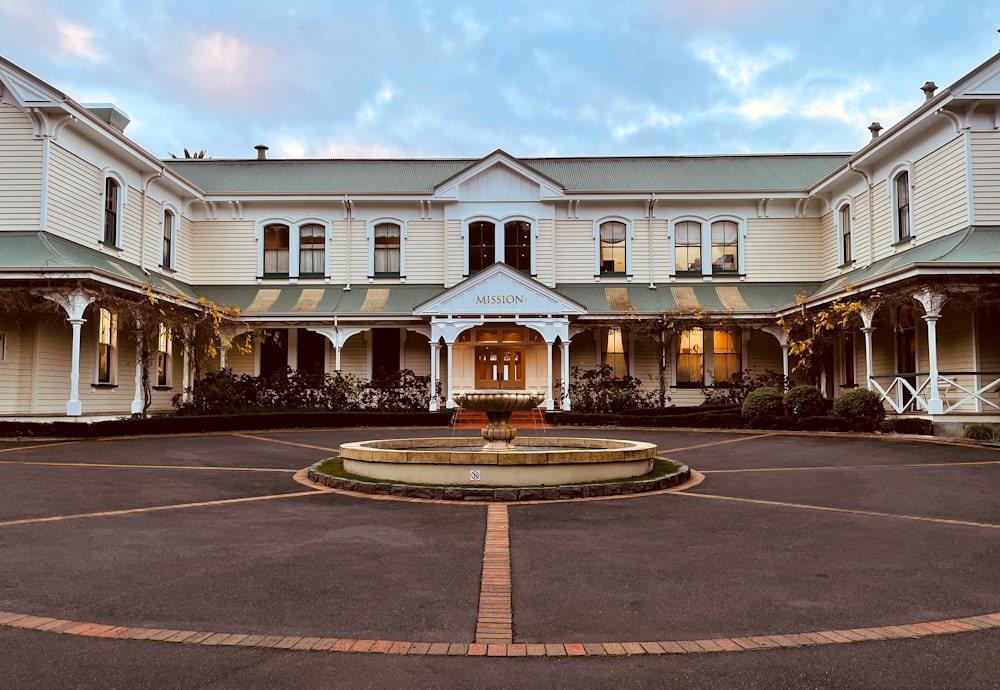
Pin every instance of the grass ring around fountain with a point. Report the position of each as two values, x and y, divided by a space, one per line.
665 474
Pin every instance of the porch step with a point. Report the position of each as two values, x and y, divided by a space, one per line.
521 419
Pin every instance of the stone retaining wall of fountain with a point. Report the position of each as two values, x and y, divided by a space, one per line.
533 462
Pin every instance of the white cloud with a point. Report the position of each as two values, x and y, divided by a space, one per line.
76 39
228 69
737 69
776 104
371 110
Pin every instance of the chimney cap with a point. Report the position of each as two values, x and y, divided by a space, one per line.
261 152
928 88
875 128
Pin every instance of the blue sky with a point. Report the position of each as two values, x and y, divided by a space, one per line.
415 78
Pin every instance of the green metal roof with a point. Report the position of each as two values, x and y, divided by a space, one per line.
735 299
60 258
778 172
974 247
303 301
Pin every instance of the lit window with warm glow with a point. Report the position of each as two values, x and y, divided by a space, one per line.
613 352
691 358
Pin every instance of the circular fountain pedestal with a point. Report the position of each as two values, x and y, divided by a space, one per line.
498 405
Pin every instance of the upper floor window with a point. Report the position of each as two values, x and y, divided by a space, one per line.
725 246
696 241
844 230
276 250
517 245
112 212
482 245
169 237
312 249
613 248
107 346
901 193
386 251
687 247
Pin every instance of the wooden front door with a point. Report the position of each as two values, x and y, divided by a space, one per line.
499 366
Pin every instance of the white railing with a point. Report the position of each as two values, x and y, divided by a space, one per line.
910 392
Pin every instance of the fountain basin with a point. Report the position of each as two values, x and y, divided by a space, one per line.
531 462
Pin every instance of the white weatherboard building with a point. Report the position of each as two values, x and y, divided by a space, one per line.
505 272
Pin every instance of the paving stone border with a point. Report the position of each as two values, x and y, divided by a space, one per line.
502 494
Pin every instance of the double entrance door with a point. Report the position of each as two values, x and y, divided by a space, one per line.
500 366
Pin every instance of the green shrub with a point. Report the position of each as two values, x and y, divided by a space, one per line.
805 401
821 423
734 390
861 408
763 401
979 432
599 390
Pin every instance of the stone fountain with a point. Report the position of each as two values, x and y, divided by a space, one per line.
505 460
498 405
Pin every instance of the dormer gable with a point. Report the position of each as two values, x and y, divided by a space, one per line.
22 90
498 177
497 290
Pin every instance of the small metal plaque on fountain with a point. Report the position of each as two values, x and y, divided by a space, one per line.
474 475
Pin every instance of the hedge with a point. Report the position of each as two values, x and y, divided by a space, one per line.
194 424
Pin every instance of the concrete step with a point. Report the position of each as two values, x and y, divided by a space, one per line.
522 419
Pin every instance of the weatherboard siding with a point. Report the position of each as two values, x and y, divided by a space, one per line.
881 240
782 249
424 251
14 367
20 172
762 353
986 177
829 246
75 198
226 253
939 192
417 354
544 260
574 257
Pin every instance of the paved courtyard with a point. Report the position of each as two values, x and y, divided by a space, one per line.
800 561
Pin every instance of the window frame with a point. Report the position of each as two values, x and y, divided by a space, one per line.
599 263
844 218
738 337
697 266
708 269
111 218
720 269
613 357
902 208
324 232
372 235
294 247
163 369
169 235
499 239
107 350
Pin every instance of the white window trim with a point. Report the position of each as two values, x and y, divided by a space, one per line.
169 352
907 168
499 243
167 206
122 201
629 236
113 359
370 234
293 242
837 208
706 243
3 347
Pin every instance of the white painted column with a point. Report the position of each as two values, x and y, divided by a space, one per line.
138 401
435 364
565 374
449 403
186 374
74 303
932 303
868 318
549 402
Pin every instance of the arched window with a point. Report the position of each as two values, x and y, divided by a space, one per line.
901 206
386 251
482 245
844 233
276 250
112 212
169 238
613 249
312 250
725 246
517 245
687 247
